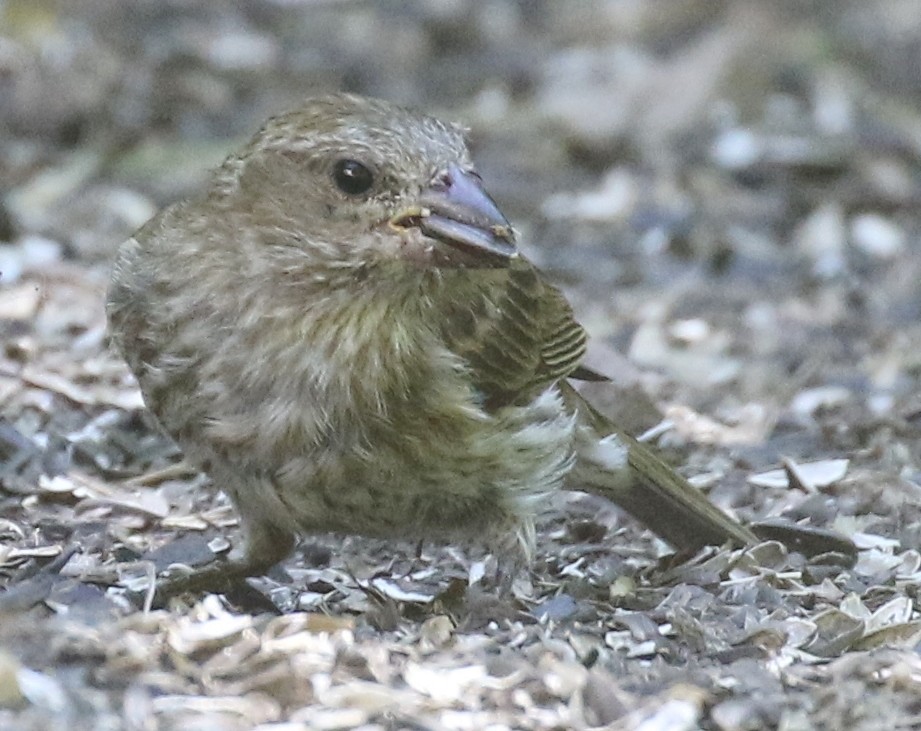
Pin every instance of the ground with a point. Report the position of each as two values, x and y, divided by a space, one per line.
729 194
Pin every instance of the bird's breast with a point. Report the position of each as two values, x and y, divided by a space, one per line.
445 470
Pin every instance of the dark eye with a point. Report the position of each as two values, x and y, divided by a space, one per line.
352 177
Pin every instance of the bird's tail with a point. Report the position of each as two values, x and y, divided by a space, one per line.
617 467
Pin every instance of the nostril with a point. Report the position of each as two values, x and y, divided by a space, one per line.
444 181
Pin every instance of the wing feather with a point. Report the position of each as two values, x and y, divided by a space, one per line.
517 337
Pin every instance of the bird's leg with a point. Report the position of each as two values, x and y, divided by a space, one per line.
266 545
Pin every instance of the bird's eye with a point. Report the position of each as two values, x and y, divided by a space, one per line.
352 177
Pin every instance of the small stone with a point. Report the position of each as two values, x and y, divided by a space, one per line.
877 236
737 149
821 236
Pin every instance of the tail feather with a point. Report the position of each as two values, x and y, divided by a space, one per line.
617 467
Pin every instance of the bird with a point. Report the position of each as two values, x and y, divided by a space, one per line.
341 330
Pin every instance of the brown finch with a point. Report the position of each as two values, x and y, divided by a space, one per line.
341 331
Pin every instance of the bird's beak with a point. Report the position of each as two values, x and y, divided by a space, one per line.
455 210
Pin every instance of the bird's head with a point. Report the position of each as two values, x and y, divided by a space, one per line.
354 181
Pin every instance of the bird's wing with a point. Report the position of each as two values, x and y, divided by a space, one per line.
517 335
